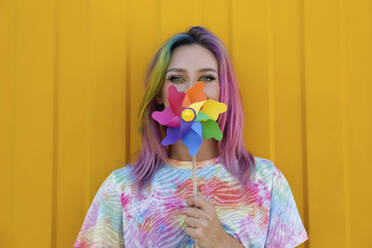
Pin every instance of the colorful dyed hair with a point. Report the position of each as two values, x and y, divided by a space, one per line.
232 152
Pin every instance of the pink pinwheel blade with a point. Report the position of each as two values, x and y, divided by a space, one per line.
166 117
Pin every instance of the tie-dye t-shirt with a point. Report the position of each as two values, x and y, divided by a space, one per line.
265 216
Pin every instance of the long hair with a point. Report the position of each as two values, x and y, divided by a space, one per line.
232 152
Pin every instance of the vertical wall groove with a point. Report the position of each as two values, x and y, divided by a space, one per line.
55 132
304 123
230 29
160 9
128 107
270 78
14 129
14 116
88 107
344 128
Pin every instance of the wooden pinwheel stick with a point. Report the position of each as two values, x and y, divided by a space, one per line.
194 181
194 184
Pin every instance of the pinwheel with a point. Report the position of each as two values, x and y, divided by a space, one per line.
190 117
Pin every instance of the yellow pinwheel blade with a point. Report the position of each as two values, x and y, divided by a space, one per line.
213 108
196 106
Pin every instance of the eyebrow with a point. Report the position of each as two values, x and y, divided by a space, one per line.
183 70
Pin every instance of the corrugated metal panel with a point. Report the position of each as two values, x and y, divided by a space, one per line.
72 78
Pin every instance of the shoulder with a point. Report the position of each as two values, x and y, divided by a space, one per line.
268 173
265 169
122 176
263 163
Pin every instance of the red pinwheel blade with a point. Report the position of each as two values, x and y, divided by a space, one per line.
175 99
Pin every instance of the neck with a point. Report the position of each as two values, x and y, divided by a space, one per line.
208 150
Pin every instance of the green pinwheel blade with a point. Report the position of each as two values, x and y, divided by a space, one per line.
211 130
202 117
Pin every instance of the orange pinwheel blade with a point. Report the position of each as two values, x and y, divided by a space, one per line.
194 94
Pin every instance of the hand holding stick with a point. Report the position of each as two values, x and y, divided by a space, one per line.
194 184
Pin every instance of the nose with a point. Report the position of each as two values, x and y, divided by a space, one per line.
192 84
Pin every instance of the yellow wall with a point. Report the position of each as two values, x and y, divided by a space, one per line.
71 76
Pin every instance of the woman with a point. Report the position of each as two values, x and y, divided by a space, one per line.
243 200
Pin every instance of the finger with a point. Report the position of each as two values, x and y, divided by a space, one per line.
190 202
192 222
200 202
196 213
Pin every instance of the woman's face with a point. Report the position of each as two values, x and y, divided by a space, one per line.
188 65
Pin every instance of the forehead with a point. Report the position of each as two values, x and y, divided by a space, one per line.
192 57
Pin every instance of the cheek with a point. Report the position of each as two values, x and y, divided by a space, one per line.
165 94
212 91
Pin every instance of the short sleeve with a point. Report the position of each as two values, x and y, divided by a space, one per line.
285 226
103 225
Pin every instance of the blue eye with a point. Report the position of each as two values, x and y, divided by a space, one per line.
175 79
207 78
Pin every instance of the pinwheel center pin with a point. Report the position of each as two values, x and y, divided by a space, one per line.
188 114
